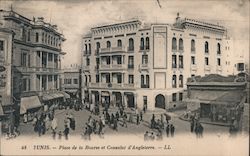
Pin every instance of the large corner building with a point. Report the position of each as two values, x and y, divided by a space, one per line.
136 64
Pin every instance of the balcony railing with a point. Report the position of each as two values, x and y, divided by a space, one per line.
192 50
130 66
144 85
104 50
194 67
113 85
97 51
118 66
104 66
130 49
174 65
174 48
207 67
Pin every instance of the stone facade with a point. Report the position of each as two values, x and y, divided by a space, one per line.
138 64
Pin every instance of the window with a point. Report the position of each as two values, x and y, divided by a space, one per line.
24 59
28 35
131 44
192 45
87 61
181 44
107 78
142 81
23 34
75 81
108 44
240 66
174 97
206 61
50 57
97 47
119 78
142 44
86 48
97 61
218 49
89 78
130 61
108 60
180 61
119 43
174 61
131 79
206 47
147 43
144 59
147 81
181 81
42 37
51 40
37 37
46 38
1 45
218 61
174 44
174 81
97 78
119 60
180 96
193 60
25 84
89 48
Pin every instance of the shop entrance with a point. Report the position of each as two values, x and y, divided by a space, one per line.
205 110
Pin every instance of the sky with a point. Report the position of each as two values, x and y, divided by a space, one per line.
75 17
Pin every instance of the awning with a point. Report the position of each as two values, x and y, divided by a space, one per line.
71 90
29 103
105 94
1 110
67 96
57 95
47 97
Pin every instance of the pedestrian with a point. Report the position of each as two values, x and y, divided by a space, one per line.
54 134
167 130
137 119
25 118
124 120
66 132
152 136
141 116
146 136
192 126
115 124
117 115
172 130
54 124
59 135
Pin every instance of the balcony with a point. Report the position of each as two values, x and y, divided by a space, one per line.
144 49
112 85
130 66
118 66
194 67
174 65
97 51
104 67
144 85
144 67
130 49
174 48
105 50
219 68
207 67
181 49
192 50
86 68
86 53
50 70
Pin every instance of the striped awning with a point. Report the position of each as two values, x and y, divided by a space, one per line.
29 103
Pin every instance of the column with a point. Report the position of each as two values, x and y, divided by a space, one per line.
135 100
47 82
53 60
47 60
125 100
53 83
57 81
100 98
122 102
40 79
41 58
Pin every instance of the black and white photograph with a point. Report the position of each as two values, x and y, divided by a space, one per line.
124 77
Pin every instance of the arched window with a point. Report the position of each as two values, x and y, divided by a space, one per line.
147 81
192 45
89 48
181 81
174 44
206 47
142 44
131 44
181 44
37 37
119 43
147 42
86 48
97 47
142 81
174 81
108 44
218 48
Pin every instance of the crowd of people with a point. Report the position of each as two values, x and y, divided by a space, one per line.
196 127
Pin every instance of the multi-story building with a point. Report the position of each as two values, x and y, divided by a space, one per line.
36 62
136 64
6 101
71 81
